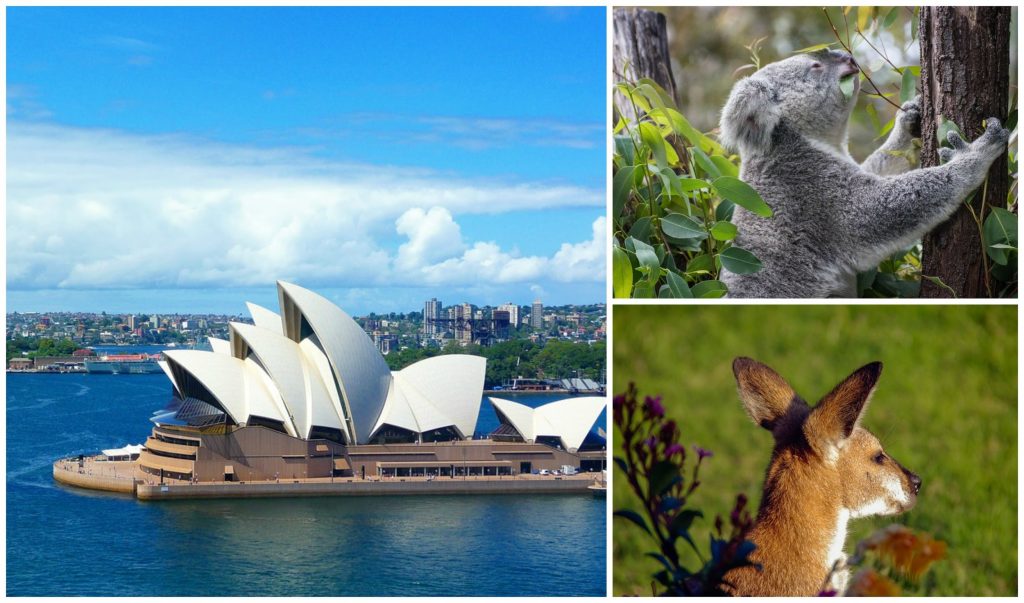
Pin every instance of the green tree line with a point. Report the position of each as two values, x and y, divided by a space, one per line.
554 359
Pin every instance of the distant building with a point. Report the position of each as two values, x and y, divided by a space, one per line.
537 315
431 311
513 313
464 324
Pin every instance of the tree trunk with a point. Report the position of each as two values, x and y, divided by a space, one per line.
965 63
641 46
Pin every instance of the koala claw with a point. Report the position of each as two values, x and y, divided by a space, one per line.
956 142
945 155
909 117
995 133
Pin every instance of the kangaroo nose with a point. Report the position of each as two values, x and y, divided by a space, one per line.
915 482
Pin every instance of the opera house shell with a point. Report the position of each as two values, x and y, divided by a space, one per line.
306 393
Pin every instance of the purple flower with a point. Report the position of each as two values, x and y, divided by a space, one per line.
668 431
674 449
653 407
702 453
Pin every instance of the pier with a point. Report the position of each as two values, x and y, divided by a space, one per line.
124 477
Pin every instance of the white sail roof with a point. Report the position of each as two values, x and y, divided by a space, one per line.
569 420
167 371
237 386
305 398
360 370
442 391
264 318
219 346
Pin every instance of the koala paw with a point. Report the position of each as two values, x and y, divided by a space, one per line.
909 117
991 144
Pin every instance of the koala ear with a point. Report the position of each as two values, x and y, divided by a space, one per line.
750 115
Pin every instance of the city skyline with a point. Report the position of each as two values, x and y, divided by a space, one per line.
155 164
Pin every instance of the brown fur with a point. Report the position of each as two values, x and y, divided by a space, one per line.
823 464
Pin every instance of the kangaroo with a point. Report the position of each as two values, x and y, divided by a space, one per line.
825 470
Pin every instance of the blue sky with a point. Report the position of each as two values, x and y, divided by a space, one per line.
191 156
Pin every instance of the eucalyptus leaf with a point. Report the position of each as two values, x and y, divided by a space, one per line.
907 87
641 230
653 141
709 289
683 227
739 261
645 255
1000 235
723 231
622 272
704 162
846 85
622 184
677 285
742 194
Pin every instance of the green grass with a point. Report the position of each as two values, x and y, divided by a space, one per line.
945 407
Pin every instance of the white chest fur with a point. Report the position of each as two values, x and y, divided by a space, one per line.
841 576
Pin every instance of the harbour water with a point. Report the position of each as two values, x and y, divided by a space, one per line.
62 541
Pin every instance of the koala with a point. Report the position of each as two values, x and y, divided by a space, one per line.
832 217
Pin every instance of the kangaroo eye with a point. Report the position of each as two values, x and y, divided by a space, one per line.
880 458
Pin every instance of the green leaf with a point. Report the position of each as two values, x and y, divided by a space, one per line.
683 521
634 517
622 184
723 231
645 255
846 85
724 210
890 17
683 227
945 127
742 194
664 99
663 475
701 263
1000 235
643 290
653 140
622 272
677 285
907 87
725 167
625 149
689 185
709 289
704 162
813 48
739 261
641 229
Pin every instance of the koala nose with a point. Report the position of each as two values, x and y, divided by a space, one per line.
915 481
843 56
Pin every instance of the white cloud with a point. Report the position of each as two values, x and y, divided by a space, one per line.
448 261
100 208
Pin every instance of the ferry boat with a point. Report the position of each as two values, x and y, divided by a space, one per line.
123 364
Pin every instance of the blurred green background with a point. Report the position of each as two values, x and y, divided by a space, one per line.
945 407
707 45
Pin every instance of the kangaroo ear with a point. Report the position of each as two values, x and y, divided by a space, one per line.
750 116
765 394
836 416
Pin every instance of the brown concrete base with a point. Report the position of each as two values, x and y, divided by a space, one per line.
364 488
93 482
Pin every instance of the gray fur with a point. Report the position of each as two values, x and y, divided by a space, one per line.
833 217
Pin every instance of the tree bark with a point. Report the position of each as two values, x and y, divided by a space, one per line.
640 49
965 63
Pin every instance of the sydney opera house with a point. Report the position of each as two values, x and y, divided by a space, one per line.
305 394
